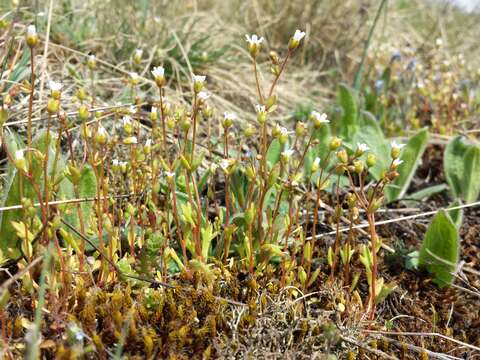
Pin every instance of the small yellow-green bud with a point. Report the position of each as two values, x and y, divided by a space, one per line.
83 113
342 156
92 62
137 56
52 106
335 143
300 129
371 160
359 166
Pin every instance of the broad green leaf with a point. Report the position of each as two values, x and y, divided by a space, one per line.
411 156
18 186
372 135
440 249
273 152
427 192
471 177
453 164
87 188
349 123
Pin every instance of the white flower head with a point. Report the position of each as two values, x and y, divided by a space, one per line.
19 155
102 131
31 30
320 118
203 95
148 143
115 162
127 120
153 110
134 76
158 71
229 116
397 162
170 174
254 39
287 154
54 85
225 164
299 35
260 108
397 146
92 57
138 53
362 147
132 109
199 78
283 131
316 162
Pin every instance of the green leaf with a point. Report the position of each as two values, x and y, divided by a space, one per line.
454 165
372 135
411 155
456 215
349 123
427 192
87 188
273 152
471 183
440 249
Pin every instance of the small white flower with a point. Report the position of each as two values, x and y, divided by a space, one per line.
54 85
229 116
138 53
127 120
123 164
148 143
299 35
199 78
254 39
19 155
170 174
130 140
134 76
158 71
115 162
260 108
92 57
224 164
287 154
153 110
397 162
132 109
316 162
102 131
397 146
362 147
31 30
321 118
283 131
203 95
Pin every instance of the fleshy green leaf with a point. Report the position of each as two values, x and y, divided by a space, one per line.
456 215
440 249
471 183
372 135
411 156
454 165
349 123
273 152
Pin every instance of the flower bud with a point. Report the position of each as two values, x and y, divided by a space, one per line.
261 114
359 166
254 44
249 131
92 62
83 113
342 156
300 129
81 94
170 122
274 57
137 56
20 161
101 135
198 83
250 214
295 40
335 143
52 106
228 119
153 114
316 165
3 115
31 36
371 160
396 150
131 140
158 73
134 78
127 125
